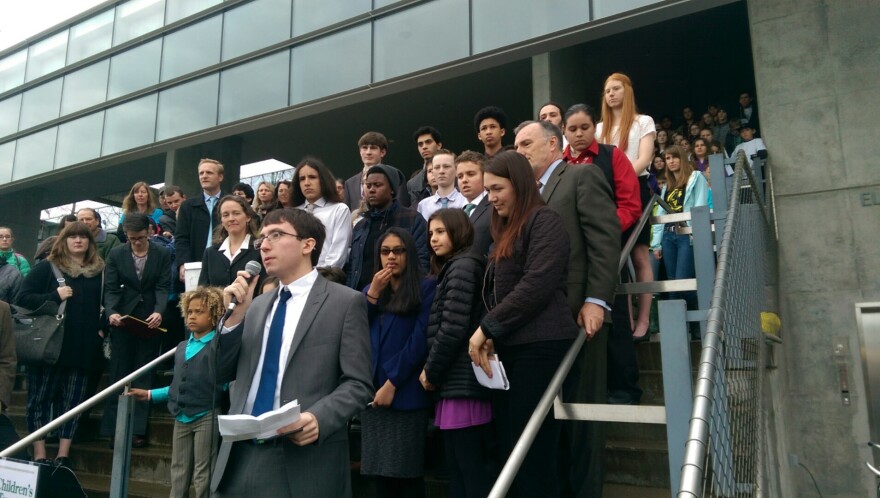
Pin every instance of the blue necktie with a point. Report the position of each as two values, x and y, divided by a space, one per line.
444 202
265 400
209 203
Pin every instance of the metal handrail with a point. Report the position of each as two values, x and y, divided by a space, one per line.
698 432
85 405
524 443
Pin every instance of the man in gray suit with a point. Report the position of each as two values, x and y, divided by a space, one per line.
581 195
308 341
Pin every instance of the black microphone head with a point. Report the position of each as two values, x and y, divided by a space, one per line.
253 268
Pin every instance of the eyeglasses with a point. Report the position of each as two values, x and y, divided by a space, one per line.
273 237
4 237
385 251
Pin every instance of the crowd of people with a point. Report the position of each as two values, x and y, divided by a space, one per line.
378 296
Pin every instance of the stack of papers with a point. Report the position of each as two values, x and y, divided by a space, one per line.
244 427
499 376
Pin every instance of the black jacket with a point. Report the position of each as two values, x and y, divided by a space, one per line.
191 234
455 315
125 294
217 269
530 287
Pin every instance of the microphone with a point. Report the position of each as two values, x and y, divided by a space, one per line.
253 268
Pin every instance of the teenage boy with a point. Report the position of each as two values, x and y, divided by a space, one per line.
490 123
447 196
428 141
469 168
372 146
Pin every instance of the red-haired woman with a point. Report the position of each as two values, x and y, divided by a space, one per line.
528 323
634 134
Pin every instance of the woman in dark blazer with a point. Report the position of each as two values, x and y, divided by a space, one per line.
137 282
64 384
529 322
398 303
233 243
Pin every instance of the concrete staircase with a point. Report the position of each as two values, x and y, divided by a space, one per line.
637 463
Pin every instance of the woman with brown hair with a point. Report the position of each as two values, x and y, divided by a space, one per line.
64 384
529 323
232 246
283 194
139 200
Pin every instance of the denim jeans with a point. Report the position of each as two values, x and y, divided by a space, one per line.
678 258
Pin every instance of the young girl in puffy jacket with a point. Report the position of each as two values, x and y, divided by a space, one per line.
464 411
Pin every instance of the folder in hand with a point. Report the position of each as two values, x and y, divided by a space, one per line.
499 376
140 328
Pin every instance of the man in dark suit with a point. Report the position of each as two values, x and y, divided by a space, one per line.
316 350
469 167
582 197
137 281
198 216
372 147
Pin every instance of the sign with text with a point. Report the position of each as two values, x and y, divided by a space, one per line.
18 479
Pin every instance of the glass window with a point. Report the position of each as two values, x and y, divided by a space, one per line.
255 25
9 109
188 107
254 88
46 56
85 87
134 69
382 3
34 154
178 9
7 156
416 39
191 48
522 20
317 71
130 125
12 70
605 8
79 140
40 104
309 15
90 37
137 17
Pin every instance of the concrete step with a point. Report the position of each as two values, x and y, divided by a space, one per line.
98 486
637 463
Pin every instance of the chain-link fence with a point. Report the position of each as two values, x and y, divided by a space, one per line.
724 453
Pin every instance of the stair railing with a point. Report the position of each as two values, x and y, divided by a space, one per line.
124 425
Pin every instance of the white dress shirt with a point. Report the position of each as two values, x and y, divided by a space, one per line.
476 202
299 293
428 205
224 247
336 218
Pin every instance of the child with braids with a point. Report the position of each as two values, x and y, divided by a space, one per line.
194 395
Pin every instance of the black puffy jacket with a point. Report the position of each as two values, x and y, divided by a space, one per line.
455 315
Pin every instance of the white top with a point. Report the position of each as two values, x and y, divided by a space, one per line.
643 125
336 218
429 205
299 292
476 202
751 148
224 247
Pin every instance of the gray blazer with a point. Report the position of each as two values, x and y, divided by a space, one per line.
328 371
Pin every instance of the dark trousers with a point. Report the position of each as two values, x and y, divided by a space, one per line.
529 369
128 353
582 448
469 461
623 365
65 387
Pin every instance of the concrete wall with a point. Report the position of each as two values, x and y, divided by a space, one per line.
817 70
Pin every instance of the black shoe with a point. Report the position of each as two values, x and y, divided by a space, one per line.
138 442
62 462
43 461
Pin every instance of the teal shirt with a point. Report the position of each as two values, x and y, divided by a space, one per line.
17 260
193 346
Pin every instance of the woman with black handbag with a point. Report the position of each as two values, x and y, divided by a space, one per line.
75 257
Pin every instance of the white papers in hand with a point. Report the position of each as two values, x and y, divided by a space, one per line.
243 427
499 376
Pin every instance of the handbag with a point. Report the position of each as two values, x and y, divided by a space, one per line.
39 334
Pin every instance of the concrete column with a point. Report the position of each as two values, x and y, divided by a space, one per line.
559 76
181 165
817 72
